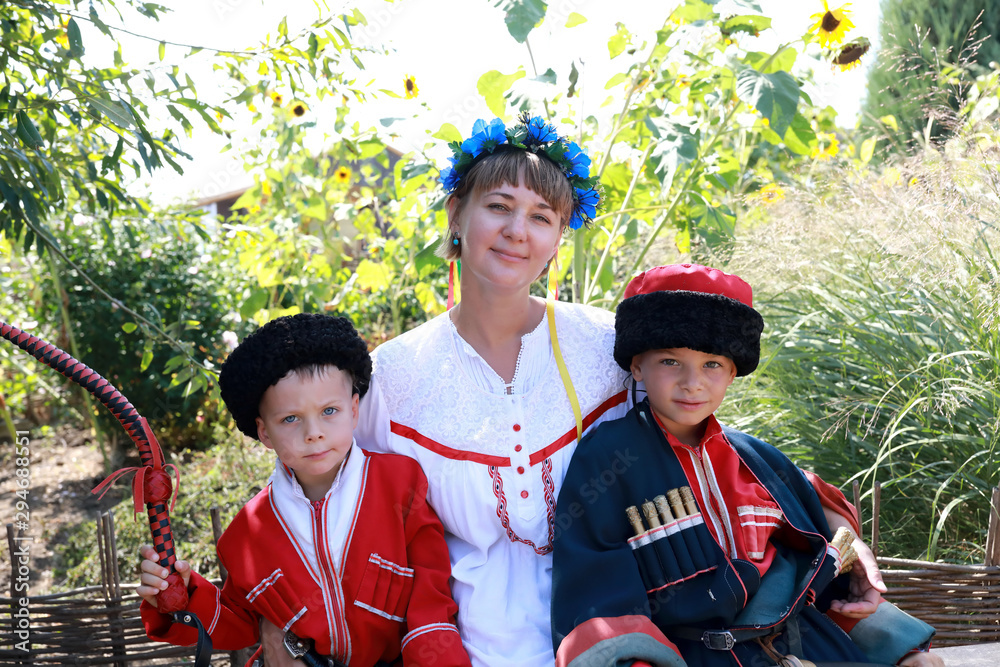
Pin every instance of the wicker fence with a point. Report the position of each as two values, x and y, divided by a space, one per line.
962 602
96 625
99 625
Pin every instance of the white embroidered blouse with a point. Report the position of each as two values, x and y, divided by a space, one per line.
495 456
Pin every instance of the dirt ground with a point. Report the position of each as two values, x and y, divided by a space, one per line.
63 467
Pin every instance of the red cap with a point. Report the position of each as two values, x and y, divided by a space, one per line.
691 278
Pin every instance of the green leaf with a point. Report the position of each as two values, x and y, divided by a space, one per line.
162 50
256 301
448 133
890 121
426 261
548 76
574 76
522 16
372 276
693 11
27 131
682 239
868 149
129 327
769 63
751 25
575 19
109 161
775 96
492 87
75 39
675 146
715 218
618 41
616 80
114 111
370 148
800 137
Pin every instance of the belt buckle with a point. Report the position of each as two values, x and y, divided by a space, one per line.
718 640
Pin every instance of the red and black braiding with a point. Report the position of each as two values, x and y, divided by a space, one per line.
152 481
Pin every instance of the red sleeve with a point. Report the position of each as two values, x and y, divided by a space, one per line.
231 625
432 637
633 640
831 498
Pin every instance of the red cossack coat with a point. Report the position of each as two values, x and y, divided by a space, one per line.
391 597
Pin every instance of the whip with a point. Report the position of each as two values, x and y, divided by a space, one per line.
151 484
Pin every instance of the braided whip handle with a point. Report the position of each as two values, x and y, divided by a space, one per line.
175 597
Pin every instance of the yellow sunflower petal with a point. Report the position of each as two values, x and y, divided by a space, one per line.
410 85
832 25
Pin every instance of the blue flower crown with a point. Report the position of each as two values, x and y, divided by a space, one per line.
535 135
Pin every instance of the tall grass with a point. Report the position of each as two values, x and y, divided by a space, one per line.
881 352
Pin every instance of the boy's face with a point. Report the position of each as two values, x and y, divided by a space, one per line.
308 420
684 387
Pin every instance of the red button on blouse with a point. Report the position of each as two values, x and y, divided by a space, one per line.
524 494
517 448
517 427
520 470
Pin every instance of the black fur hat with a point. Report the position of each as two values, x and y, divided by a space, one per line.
284 345
693 306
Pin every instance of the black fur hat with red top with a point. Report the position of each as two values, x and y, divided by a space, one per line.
692 306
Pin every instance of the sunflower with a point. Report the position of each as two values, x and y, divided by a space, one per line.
276 99
343 175
827 146
410 84
850 54
299 109
832 24
771 193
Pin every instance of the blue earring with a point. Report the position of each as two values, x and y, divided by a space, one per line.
454 241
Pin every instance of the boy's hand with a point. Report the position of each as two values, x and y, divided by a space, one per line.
272 638
153 576
866 585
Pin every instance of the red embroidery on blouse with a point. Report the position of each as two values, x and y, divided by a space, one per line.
550 507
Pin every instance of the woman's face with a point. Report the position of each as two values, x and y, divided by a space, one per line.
508 234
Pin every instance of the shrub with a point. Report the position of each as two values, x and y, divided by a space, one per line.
882 350
167 279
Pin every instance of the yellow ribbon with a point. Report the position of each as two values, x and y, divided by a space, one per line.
550 310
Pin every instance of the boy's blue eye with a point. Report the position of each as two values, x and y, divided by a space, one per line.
329 411
289 419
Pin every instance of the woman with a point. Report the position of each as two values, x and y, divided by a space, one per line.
477 394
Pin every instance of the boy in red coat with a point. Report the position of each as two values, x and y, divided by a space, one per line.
341 548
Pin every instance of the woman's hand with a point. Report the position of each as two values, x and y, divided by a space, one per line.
153 576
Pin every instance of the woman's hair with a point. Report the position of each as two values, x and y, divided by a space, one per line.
304 343
506 166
